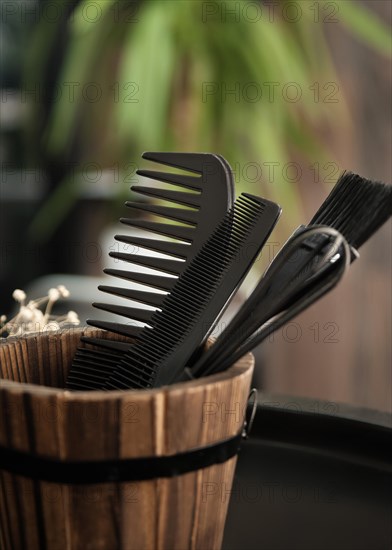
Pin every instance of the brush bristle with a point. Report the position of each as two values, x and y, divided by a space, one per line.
356 207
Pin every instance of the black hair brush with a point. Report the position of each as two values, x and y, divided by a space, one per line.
355 208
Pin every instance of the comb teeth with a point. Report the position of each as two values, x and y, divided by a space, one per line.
155 281
92 355
356 207
203 200
196 288
178 214
170 266
192 162
171 248
92 368
123 329
188 182
176 231
111 345
187 199
135 313
160 264
150 298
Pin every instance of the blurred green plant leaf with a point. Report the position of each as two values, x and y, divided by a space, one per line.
82 22
147 66
78 67
54 210
161 65
366 25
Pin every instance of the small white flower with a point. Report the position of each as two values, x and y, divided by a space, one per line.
16 330
38 316
53 294
25 314
64 292
52 325
31 319
72 317
19 295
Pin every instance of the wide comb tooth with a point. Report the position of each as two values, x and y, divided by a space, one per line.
179 197
74 384
85 376
177 214
93 370
95 356
96 366
155 281
112 345
175 231
118 328
135 313
181 180
149 298
160 264
187 161
171 248
92 367
81 381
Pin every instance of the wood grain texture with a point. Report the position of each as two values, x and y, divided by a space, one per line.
38 416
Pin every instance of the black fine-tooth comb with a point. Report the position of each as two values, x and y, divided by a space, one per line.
203 199
199 296
356 208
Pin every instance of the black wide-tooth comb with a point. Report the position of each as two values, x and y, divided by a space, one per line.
209 195
201 293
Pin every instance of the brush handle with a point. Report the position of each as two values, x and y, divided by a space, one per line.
286 270
314 292
280 284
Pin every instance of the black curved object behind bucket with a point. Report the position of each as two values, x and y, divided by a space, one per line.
312 481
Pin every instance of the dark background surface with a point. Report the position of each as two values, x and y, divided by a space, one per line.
307 480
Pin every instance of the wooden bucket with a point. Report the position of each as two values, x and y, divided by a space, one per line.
48 433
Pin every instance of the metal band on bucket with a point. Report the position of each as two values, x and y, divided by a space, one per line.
119 470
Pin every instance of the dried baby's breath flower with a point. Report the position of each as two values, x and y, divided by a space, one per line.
53 294
25 314
51 326
31 319
19 295
64 292
72 317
